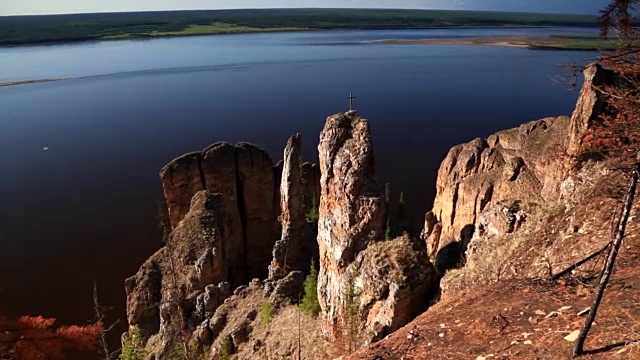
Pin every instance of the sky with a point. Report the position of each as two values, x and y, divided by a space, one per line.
31 7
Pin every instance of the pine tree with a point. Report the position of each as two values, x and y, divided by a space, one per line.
310 303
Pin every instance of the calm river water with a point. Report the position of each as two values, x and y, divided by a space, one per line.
84 209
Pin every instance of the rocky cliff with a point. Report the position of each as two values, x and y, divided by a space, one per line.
226 208
517 232
244 175
185 279
298 196
488 188
381 283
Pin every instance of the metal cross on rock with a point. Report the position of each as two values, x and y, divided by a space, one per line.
350 98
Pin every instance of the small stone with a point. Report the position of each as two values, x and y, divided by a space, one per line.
528 342
541 313
573 336
441 334
564 308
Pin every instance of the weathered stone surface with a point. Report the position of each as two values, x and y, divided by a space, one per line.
220 173
257 208
290 252
520 164
501 218
288 289
198 243
213 296
144 294
395 282
176 276
392 277
181 179
352 208
591 104
244 175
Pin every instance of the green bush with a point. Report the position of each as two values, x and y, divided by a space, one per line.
132 345
266 311
310 303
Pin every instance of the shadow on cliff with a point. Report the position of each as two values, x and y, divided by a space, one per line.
452 256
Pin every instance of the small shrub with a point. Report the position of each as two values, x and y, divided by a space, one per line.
310 304
388 232
313 214
223 351
402 208
266 311
194 352
132 345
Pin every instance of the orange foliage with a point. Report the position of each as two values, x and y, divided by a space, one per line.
35 337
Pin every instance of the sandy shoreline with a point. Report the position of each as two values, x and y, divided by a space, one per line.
23 82
509 41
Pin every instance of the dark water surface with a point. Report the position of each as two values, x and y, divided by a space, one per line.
85 209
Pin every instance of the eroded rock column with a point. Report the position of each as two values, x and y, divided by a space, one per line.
352 208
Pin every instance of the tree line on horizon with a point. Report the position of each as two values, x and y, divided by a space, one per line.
16 30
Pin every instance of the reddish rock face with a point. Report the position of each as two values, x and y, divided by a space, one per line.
517 164
219 170
181 179
257 208
591 104
392 279
527 164
244 175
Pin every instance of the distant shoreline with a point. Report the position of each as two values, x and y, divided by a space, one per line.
529 42
72 28
237 31
23 82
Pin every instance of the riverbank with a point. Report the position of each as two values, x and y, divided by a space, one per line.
29 30
23 82
532 42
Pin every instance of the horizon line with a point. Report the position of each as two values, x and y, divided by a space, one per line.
297 8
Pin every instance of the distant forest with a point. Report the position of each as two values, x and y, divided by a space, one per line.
16 30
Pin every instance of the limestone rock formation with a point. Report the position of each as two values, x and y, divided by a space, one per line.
224 212
178 277
244 175
517 164
289 251
353 259
181 179
591 104
257 208
395 283
531 164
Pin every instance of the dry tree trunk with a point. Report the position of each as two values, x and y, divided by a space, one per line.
99 318
578 348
